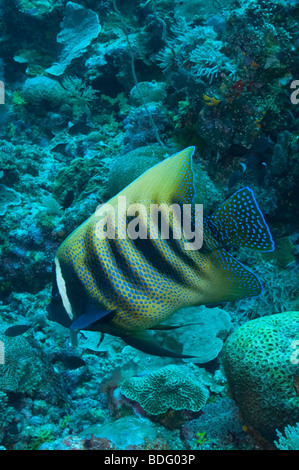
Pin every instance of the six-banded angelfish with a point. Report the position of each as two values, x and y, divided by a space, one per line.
125 285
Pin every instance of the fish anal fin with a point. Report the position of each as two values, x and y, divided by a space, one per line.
230 280
144 342
169 327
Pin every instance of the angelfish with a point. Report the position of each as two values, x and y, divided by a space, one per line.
125 286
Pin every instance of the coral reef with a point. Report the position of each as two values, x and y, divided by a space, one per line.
131 165
261 370
78 22
202 333
8 197
26 369
38 9
175 387
280 290
7 413
220 425
290 439
39 91
92 95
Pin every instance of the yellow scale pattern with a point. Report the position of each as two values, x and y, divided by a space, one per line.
145 282
143 294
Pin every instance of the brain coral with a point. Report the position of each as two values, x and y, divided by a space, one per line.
40 90
128 167
262 369
16 350
176 387
27 369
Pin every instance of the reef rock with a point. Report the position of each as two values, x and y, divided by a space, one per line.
203 335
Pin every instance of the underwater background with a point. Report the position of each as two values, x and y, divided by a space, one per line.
94 93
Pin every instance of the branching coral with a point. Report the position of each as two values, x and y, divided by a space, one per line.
38 436
208 61
80 94
196 46
279 289
291 439
183 41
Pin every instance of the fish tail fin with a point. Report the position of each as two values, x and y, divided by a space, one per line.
240 222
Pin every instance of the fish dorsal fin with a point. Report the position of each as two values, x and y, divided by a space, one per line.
169 182
240 222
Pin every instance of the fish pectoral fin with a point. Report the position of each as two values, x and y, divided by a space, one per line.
144 342
91 316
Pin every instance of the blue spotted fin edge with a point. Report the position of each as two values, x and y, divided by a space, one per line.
240 222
